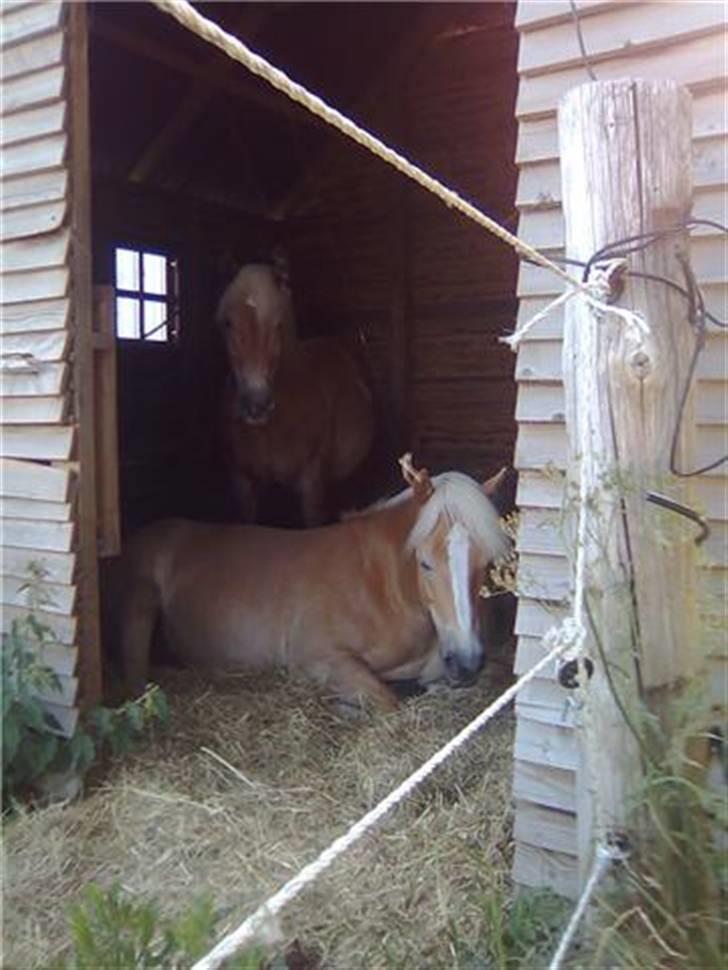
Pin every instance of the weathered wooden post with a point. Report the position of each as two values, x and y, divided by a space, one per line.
625 154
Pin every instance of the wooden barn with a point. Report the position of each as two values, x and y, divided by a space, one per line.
136 159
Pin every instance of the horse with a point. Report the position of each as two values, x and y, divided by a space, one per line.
295 413
386 594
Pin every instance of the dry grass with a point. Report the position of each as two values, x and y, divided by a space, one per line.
173 822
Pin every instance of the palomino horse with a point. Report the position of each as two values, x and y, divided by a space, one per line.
387 594
296 413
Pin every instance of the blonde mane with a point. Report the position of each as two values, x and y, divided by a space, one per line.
463 502
256 285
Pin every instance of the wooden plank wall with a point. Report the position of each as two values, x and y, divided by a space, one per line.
431 292
459 108
39 434
683 41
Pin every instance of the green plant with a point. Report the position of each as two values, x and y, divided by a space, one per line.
515 932
32 743
30 734
668 907
112 930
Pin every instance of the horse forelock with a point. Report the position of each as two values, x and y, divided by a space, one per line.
462 502
256 286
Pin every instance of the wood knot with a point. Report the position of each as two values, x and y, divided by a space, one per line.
640 363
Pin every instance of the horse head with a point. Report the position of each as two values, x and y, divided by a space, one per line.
255 314
456 534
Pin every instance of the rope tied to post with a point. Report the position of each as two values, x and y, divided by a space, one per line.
605 283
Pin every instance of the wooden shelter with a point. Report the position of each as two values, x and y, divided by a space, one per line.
123 133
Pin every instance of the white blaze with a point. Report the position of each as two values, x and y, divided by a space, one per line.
458 555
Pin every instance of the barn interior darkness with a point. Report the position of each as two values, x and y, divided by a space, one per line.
195 158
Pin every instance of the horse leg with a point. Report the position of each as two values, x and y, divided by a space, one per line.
311 488
138 621
357 685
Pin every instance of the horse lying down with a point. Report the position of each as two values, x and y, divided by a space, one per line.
388 594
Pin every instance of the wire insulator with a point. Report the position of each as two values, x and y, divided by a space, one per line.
568 675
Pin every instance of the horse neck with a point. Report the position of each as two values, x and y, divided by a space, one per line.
389 556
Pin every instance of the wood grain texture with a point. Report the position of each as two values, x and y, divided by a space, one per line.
625 169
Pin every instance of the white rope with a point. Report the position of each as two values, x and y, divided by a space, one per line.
603 859
596 292
256 923
185 14
570 635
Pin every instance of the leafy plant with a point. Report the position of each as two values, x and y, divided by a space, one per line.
515 932
112 930
30 734
32 743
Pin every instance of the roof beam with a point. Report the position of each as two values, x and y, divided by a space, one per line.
191 107
236 83
424 27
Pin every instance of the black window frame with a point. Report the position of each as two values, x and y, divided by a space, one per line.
170 299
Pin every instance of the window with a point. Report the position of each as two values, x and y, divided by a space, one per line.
146 295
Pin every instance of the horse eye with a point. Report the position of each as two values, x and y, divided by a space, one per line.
426 566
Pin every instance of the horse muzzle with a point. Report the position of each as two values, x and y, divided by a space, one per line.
463 661
256 408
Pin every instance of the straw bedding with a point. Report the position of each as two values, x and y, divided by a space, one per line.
173 821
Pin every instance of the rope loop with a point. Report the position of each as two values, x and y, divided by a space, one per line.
604 284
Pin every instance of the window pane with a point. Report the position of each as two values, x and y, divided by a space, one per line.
155 274
155 320
127 318
127 269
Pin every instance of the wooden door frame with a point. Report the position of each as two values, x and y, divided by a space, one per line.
79 163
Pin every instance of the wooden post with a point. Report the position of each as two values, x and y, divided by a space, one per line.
625 154
83 377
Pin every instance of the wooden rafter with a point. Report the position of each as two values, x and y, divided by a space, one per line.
190 108
423 29
233 82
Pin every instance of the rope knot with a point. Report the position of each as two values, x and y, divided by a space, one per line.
569 635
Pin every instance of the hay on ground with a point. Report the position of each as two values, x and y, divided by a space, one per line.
249 782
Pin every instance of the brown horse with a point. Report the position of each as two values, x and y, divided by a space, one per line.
296 413
387 594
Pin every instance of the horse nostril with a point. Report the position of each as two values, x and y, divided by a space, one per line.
452 665
255 407
462 671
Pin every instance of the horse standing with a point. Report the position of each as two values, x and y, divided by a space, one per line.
387 594
296 413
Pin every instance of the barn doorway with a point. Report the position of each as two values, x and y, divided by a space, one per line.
195 162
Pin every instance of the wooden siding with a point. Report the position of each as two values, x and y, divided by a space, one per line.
38 433
623 39
431 292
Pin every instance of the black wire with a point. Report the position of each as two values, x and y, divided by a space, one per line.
698 315
580 38
642 241
673 506
723 324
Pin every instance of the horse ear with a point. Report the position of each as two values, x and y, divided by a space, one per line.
419 480
491 486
